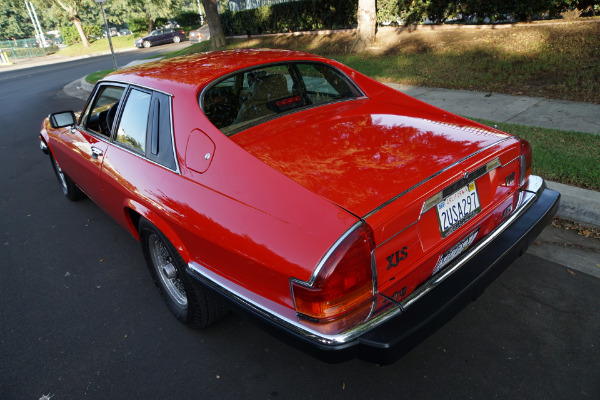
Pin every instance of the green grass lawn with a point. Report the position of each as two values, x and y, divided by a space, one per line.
118 42
568 157
94 77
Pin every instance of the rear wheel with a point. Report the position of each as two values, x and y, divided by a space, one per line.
67 186
147 44
176 39
187 302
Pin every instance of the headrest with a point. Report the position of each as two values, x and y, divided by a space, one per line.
270 87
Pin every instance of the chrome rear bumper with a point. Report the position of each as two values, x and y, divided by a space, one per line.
397 326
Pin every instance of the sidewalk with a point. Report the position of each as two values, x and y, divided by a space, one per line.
531 111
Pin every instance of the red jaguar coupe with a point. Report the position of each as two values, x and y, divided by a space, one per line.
347 217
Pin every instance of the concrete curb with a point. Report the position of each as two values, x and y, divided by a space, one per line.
579 205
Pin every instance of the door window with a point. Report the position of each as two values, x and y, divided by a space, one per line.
101 113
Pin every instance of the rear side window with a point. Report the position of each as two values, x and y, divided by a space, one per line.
251 97
134 121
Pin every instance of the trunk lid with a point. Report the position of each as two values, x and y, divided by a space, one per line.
363 153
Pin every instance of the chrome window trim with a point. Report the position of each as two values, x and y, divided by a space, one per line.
393 199
172 126
286 113
286 317
348 80
89 101
111 140
135 85
274 64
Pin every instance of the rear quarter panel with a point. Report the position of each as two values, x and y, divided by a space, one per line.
240 218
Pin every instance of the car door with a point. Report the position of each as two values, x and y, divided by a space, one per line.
141 155
160 36
82 149
168 36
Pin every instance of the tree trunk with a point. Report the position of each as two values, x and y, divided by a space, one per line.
77 22
74 17
150 22
217 37
367 25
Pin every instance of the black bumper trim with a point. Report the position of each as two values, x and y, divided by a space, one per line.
397 336
387 342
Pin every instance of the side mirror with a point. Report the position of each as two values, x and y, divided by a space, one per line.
62 119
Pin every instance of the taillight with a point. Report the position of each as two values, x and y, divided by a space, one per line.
343 280
525 167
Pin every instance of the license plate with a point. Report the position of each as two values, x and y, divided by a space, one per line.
454 252
456 209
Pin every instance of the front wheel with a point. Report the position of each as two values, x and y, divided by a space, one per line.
147 44
187 302
67 186
176 39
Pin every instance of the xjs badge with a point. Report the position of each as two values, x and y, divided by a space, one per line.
395 258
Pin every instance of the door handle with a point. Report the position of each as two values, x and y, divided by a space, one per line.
96 152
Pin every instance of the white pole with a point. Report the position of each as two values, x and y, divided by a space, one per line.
200 13
37 35
42 37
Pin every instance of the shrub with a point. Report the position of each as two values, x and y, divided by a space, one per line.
71 35
478 11
138 25
160 21
293 16
187 18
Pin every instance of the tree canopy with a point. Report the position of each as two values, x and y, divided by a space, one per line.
14 20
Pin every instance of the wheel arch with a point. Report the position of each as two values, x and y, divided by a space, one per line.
134 211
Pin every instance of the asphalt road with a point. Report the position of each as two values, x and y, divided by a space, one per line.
81 318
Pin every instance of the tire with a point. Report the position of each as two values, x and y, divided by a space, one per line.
147 44
176 39
189 303
67 186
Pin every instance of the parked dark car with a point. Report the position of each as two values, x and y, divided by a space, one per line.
160 36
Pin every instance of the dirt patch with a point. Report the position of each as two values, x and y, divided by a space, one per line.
554 60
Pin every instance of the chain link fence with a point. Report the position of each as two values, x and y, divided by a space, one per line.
26 48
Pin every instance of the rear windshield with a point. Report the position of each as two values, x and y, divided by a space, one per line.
248 98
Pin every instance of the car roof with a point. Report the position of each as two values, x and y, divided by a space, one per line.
197 70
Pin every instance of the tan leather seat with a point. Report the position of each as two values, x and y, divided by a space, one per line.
264 90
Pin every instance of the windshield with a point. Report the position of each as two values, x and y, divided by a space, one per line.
251 97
